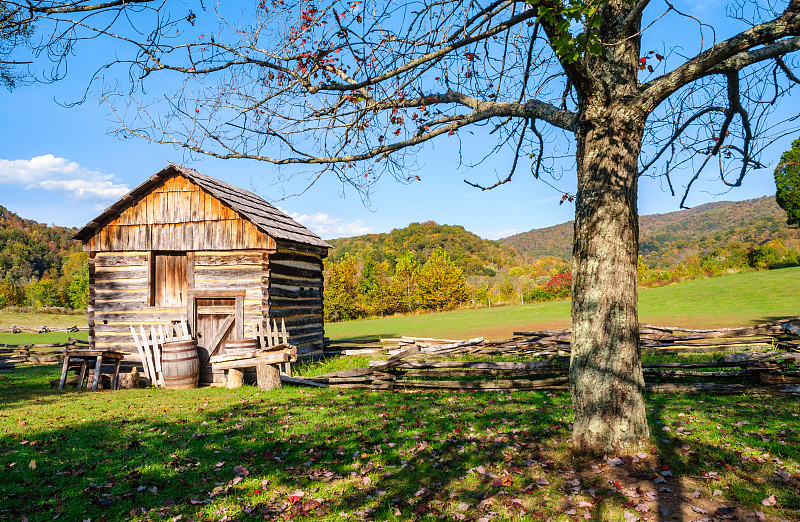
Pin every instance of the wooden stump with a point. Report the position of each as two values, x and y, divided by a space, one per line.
268 377
234 379
129 381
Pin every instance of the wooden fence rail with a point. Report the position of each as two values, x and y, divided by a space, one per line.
771 364
11 354
15 328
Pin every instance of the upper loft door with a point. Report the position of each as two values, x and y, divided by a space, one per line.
169 277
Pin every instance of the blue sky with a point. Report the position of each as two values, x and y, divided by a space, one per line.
62 166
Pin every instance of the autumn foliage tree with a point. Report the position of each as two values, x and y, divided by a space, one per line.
787 183
441 283
357 87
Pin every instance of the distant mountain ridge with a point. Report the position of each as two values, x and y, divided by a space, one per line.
668 238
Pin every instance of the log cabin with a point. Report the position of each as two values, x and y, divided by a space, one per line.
185 245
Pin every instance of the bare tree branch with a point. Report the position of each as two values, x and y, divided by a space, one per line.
734 53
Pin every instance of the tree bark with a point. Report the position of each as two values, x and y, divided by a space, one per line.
606 378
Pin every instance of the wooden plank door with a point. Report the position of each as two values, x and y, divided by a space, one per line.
217 319
169 279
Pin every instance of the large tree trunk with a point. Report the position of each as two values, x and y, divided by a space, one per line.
605 373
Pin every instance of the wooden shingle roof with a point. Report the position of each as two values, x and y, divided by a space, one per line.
251 207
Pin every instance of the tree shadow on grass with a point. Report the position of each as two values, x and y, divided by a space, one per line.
774 319
355 451
211 453
710 447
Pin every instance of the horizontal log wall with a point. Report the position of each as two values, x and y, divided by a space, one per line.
119 294
178 215
293 293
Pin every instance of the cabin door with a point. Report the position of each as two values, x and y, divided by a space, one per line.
216 320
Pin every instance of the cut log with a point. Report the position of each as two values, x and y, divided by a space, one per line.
780 378
543 333
51 359
234 379
361 351
712 388
412 340
500 384
478 365
659 343
482 373
705 349
761 359
275 358
268 377
302 382
719 364
791 329
669 372
377 376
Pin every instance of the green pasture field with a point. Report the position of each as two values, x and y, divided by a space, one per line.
732 300
37 320
326 454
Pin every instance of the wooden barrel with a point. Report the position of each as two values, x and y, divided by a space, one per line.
243 345
180 365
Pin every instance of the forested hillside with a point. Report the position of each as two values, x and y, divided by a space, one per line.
475 256
40 265
668 239
381 274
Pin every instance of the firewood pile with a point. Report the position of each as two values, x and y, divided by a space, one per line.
764 357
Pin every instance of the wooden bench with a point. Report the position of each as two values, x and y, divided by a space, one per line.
267 362
85 357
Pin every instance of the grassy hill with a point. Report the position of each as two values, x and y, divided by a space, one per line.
733 300
666 239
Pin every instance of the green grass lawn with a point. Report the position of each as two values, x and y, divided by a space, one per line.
733 300
332 454
37 320
311 454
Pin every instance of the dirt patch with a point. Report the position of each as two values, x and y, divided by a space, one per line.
506 332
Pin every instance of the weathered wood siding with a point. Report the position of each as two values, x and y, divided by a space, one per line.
178 215
293 292
120 291
119 296
179 236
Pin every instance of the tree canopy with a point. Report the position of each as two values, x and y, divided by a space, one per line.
787 183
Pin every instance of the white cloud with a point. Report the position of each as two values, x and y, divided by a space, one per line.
329 227
63 176
499 234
